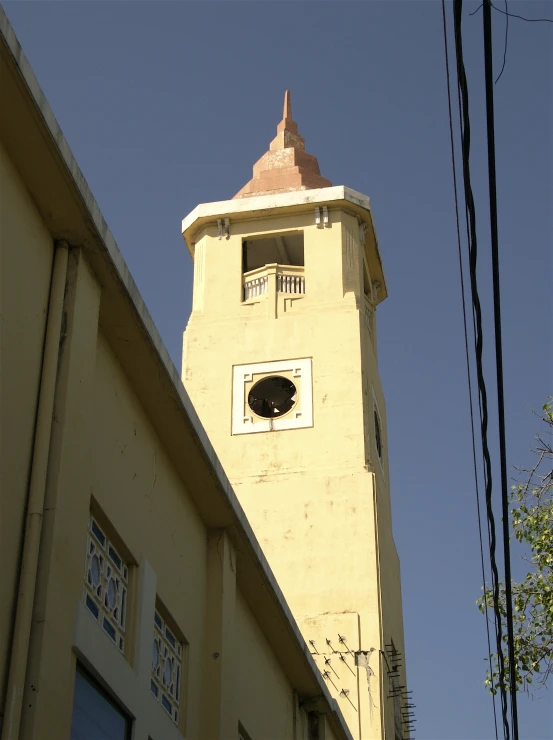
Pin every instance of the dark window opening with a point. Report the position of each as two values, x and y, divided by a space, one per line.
377 434
366 283
280 250
272 397
313 726
96 716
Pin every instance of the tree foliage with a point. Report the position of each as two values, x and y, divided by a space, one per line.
532 526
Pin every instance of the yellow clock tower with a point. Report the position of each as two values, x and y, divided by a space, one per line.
280 361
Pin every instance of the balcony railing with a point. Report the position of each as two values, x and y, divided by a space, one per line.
255 286
290 283
289 279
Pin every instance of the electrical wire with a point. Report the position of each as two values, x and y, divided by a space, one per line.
473 253
467 360
490 125
514 15
505 45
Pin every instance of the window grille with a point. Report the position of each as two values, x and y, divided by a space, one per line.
105 584
167 667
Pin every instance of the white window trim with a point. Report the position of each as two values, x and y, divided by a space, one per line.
241 374
130 686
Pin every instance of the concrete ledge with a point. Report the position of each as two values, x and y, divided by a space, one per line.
242 206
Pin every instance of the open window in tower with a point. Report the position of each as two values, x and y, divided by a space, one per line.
367 290
280 254
369 299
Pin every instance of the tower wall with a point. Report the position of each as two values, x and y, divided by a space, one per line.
317 496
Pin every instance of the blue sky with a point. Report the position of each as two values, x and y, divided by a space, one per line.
168 104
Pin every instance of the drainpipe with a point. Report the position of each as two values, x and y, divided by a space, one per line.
35 501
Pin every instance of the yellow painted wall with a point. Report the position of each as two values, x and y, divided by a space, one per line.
258 675
119 439
154 517
24 290
318 497
50 670
106 456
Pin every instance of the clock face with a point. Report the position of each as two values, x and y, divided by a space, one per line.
272 397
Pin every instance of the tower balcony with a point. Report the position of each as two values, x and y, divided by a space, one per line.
270 280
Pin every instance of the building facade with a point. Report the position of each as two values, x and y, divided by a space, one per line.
280 360
136 600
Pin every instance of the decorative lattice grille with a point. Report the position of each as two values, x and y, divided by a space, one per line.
106 583
167 662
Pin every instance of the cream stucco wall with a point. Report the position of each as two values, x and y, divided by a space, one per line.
23 307
259 675
106 457
155 518
123 442
318 497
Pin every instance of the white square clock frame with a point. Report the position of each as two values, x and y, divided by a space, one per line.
301 415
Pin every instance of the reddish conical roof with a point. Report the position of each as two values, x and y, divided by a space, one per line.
286 166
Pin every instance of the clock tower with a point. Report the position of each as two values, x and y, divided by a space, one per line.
280 361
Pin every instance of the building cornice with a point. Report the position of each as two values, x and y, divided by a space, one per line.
261 205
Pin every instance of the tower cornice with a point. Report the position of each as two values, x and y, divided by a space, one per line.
280 204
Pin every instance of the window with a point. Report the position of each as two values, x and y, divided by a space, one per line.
262 257
314 730
379 440
367 290
377 433
368 318
280 250
168 652
369 299
96 716
106 583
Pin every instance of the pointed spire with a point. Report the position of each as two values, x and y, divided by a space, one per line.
287 112
287 123
286 166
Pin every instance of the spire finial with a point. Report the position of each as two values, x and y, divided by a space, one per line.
287 123
287 112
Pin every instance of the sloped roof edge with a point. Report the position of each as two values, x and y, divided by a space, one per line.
101 248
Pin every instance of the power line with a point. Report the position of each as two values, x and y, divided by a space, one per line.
463 303
473 253
514 15
521 17
505 45
487 19
508 15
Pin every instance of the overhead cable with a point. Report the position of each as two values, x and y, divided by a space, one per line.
473 253
505 44
490 125
514 15
467 360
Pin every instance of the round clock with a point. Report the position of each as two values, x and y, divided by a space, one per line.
272 397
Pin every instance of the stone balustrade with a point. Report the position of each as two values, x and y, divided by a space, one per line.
289 279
